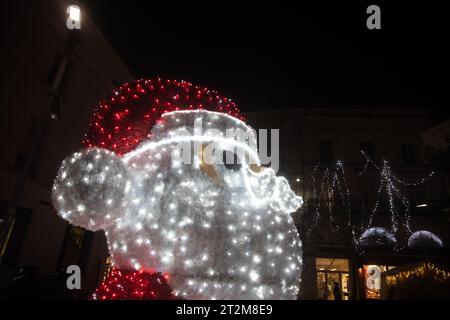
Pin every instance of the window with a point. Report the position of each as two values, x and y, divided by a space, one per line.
408 153
332 279
108 268
417 194
13 232
75 247
372 279
367 147
325 151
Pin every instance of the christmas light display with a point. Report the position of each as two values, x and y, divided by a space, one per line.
426 268
330 187
424 238
333 187
216 230
132 285
377 236
398 203
370 162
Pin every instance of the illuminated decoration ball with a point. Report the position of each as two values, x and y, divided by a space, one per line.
84 172
423 238
377 236
152 179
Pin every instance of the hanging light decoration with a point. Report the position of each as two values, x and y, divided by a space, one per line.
398 203
331 185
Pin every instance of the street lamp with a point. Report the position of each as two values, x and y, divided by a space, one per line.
74 19
51 110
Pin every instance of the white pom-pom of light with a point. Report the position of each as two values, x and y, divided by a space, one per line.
424 238
89 188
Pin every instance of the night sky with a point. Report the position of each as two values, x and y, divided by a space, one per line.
268 56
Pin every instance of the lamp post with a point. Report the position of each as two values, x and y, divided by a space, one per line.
48 112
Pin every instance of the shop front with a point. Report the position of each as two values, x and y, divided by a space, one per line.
340 274
370 276
333 279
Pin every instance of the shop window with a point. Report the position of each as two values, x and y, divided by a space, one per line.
333 279
372 279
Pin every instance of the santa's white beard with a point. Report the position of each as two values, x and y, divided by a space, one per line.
209 237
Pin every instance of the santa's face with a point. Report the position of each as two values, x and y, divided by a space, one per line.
219 229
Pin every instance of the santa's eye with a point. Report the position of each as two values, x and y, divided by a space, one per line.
256 168
231 161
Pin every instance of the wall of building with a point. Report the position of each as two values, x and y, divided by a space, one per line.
387 128
34 33
302 129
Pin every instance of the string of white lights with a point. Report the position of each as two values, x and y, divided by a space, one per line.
398 203
388 181
347 202
332 185
368 162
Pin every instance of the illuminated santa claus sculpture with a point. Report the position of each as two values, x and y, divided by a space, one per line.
177 194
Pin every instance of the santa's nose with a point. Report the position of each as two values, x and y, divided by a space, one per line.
284 198
267 188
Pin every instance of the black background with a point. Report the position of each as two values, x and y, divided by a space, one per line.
288 54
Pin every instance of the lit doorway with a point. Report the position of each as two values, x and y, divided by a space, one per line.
333 279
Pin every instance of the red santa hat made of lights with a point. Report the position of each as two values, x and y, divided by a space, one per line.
124 120
210 232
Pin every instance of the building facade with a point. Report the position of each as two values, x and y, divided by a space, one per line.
36 38
353 238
